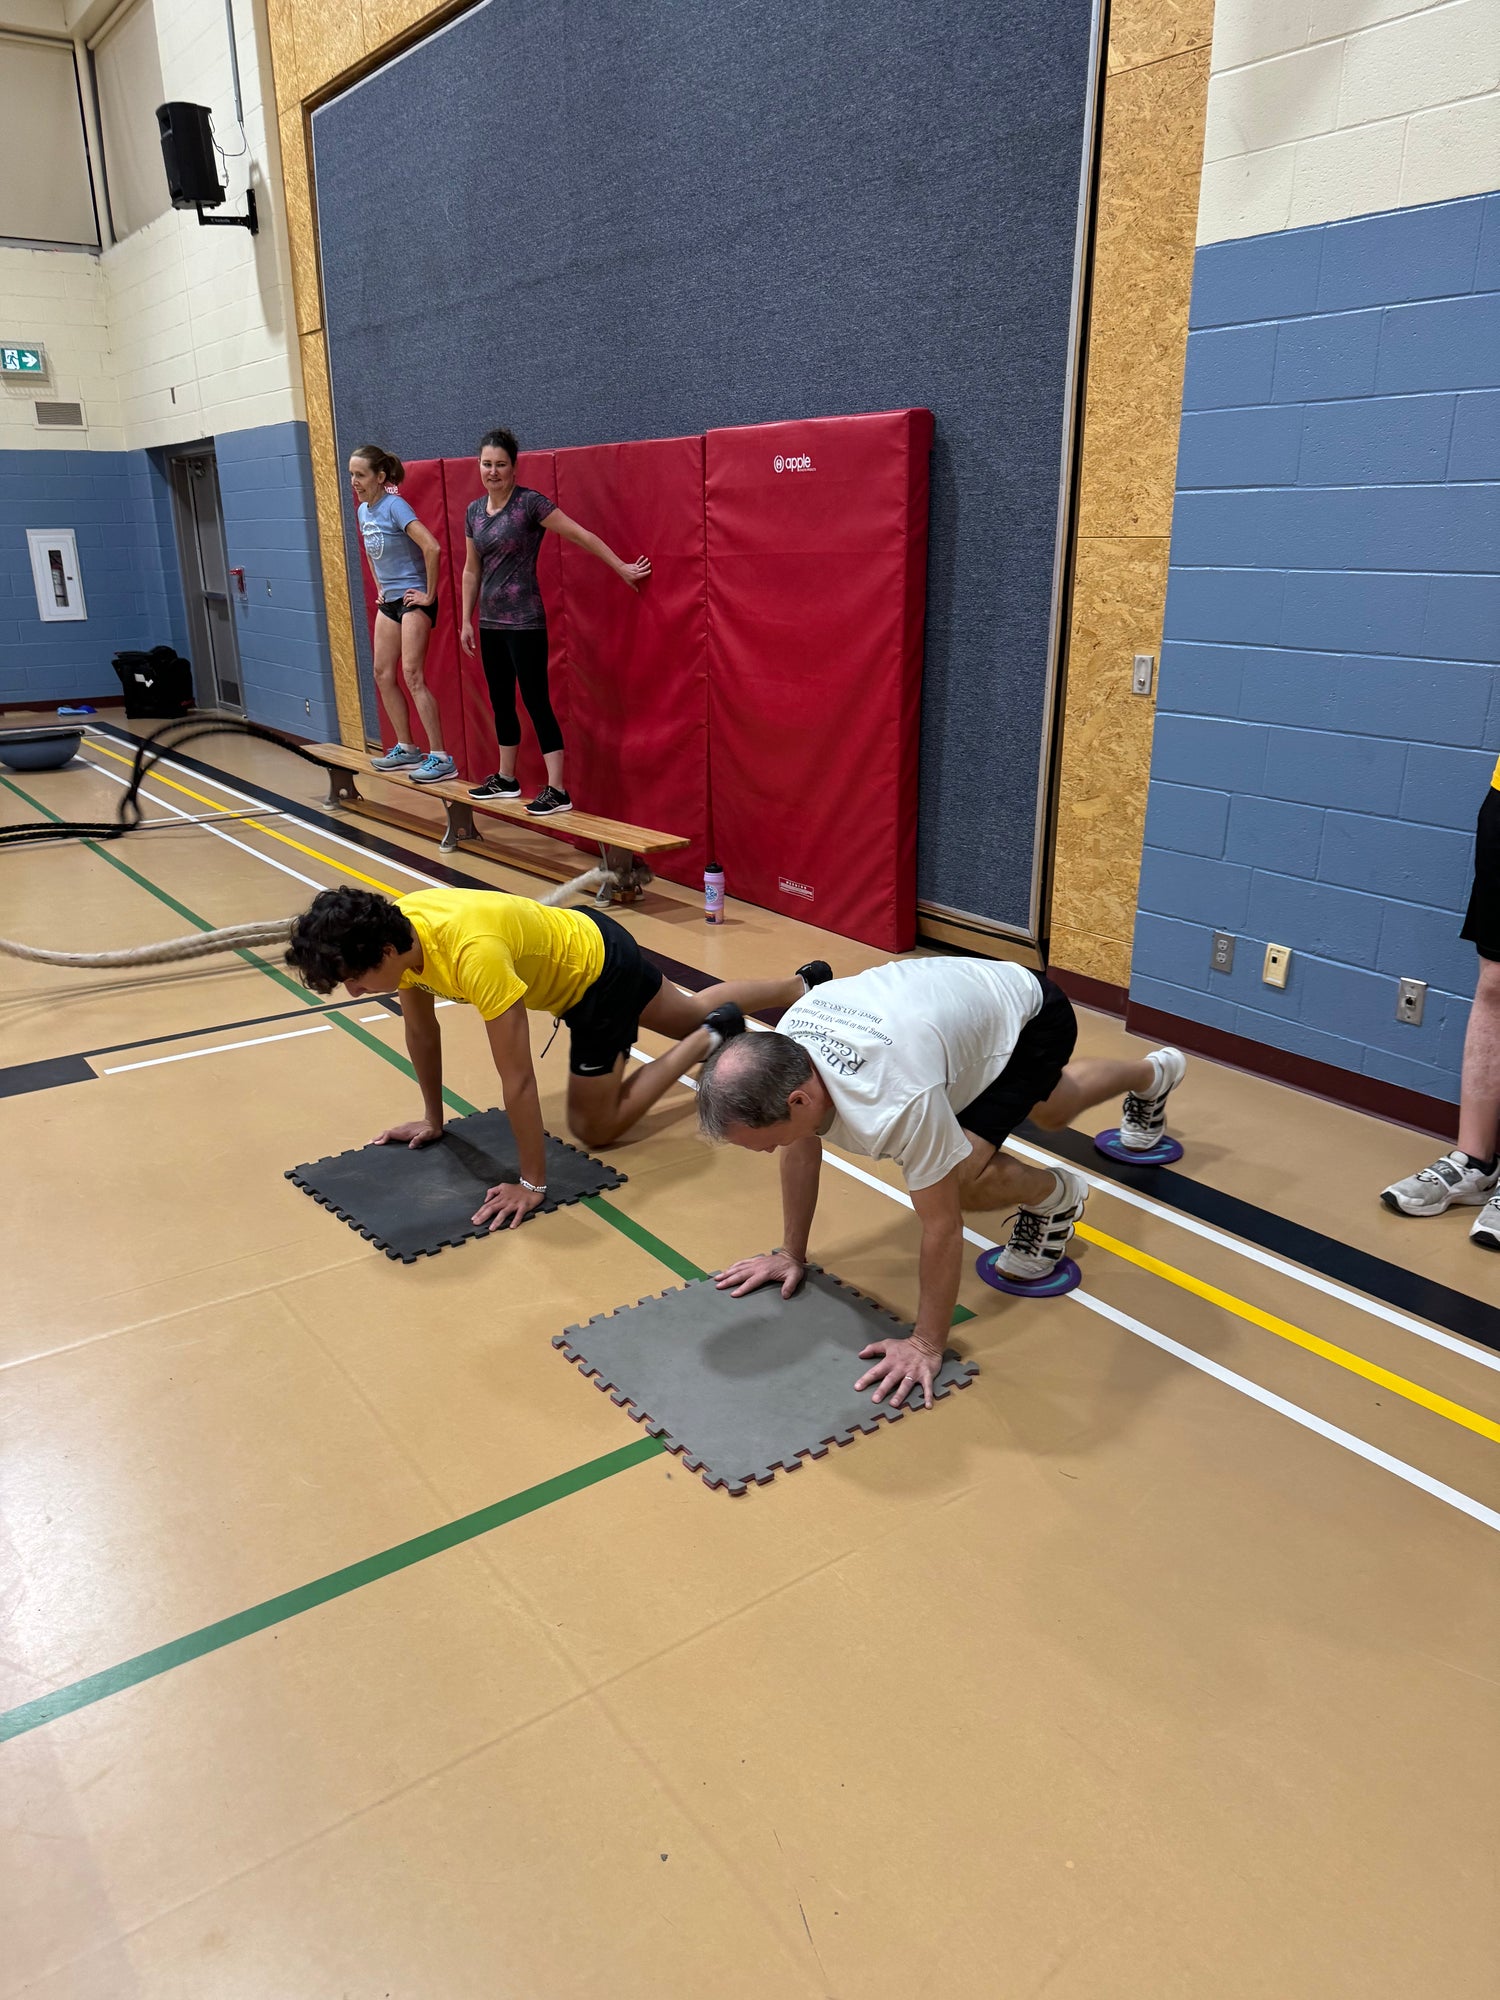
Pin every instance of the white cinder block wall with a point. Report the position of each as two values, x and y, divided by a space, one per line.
203 335
1320 109
58 297
174 335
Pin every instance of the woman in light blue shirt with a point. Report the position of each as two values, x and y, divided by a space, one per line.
403 559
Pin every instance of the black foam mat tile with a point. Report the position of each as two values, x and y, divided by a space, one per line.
413 1204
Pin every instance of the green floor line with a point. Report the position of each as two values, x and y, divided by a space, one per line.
638 1234
292 1603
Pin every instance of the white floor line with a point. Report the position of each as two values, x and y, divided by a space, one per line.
1449 1495
218 832
366 1019
1398 1467
314 832
219 1049
1313 1279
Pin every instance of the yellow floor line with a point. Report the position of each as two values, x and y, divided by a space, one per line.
340 867
1356 1364
1398 1385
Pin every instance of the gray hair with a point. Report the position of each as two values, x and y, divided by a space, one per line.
753 1089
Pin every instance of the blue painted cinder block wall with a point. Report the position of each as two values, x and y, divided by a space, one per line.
1328 711
119 505
270 529
119 508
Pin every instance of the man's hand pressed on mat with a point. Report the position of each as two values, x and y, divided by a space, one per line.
931 1063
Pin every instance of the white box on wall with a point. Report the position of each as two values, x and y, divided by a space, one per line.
54 571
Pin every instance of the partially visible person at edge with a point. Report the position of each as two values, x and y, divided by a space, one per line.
403 559
1469 1176
504 528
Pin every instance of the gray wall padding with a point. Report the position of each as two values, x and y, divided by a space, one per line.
598 223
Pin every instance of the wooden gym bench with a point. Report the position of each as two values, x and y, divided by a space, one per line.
623 849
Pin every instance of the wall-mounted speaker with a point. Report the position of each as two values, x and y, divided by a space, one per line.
187 152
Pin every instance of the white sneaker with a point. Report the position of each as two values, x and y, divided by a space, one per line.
1451 1182
1041 1234
1486 1230
1143 1119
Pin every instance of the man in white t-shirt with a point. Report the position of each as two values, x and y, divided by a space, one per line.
931 1062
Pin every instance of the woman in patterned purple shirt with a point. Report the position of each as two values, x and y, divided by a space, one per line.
504 530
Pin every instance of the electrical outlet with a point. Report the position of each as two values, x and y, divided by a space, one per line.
1142 668
1411 998
1221 958
1277 965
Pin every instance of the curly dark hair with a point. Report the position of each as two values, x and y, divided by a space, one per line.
345 930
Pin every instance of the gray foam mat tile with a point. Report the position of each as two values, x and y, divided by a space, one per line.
412 1205
744 1388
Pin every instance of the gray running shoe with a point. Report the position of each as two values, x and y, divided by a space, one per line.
1486 1230
1451 1182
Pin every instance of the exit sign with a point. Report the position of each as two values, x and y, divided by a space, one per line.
22 361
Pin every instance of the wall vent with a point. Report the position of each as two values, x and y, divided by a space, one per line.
60 417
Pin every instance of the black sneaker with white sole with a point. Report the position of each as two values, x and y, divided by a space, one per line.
725 1021
548 802
496 787
816 972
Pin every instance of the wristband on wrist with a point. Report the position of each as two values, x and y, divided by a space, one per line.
531 1187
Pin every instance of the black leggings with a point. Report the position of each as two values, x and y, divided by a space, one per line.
519 656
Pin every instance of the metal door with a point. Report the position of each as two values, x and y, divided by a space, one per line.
205 579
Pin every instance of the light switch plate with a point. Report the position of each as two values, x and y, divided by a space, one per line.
1411 998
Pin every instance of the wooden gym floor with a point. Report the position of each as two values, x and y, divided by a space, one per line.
355 1646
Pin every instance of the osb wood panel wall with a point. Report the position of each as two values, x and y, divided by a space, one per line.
1156 90
1152 149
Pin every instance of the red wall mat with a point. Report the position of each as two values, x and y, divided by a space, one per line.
535 469
638 660
424 492
817 564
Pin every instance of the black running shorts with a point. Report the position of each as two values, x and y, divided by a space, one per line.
1482 923
606 1020
1037 1061
396 608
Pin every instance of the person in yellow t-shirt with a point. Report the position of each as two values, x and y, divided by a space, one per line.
504 955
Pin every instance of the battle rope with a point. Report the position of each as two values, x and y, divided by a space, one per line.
236 937
202 944
171 736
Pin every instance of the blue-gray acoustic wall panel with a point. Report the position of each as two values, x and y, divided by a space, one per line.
594 222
